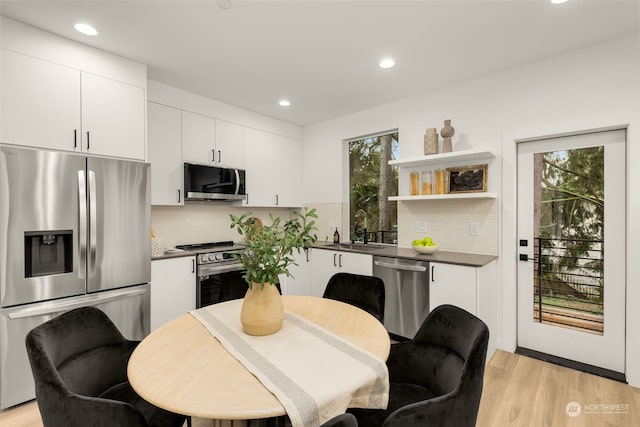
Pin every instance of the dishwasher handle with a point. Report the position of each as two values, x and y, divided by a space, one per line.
418 268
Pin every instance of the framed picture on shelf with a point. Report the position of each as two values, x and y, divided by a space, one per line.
467 179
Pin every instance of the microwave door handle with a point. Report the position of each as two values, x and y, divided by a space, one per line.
93 227
82 224
237 181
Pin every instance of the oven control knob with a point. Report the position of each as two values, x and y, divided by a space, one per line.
219 257
211 257
203 258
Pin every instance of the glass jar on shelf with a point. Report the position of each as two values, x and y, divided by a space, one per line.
439 181
427 188
414 183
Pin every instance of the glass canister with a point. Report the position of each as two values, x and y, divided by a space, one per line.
439 181
426 183
414 183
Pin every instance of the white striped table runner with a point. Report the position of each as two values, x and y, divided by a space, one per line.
314 373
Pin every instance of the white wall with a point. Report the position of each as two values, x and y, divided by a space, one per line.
595 81
174 97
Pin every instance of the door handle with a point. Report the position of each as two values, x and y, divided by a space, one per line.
66 304
193 265
219 156
340 260
525 257
93 223
82 223
88 145
334 260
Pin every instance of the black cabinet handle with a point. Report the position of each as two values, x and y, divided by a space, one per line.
75 138
193 265
219 156
88 145
334 260
432 273
178 196
340 260
213 156
277 200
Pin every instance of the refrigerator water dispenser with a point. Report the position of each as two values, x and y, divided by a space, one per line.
48 252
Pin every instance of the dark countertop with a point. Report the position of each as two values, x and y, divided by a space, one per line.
172 254
459 258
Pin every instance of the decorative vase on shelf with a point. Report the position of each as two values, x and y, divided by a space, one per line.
447 132
262 311
431 141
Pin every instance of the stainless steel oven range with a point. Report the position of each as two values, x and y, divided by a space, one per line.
219 273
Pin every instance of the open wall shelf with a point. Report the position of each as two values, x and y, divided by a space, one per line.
444 197
454 157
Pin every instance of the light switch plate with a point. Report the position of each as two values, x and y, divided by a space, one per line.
474 229
421 227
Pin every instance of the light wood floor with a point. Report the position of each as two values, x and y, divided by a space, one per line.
518 391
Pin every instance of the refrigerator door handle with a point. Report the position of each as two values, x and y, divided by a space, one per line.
82 226
93 227
83 301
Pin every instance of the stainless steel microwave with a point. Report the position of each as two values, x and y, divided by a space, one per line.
213 183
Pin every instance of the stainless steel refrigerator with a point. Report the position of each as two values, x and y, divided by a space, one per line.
74 231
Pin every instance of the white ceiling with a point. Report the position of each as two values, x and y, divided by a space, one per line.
323 55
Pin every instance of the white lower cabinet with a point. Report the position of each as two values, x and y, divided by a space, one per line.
453 284
173 289
326 263
470 288
300 281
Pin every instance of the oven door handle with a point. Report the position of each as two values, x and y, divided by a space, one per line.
208 271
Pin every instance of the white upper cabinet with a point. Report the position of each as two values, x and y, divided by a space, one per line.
53 106
208 141
112 117
164 124
229 150
273 169
198 138
40 103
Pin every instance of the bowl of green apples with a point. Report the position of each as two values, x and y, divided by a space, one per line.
424 246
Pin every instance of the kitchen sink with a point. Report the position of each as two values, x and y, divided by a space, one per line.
357 247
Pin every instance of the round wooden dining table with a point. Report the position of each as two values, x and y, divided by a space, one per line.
182 368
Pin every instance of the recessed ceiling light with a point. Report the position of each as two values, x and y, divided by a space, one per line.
284 103
558 1
86 29
386 63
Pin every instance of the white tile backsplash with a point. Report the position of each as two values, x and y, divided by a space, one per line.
448 224
203 222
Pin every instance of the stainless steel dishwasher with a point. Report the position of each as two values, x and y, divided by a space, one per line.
406 286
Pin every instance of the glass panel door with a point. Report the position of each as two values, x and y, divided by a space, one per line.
571 206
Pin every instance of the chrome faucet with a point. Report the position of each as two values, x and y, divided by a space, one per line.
361 213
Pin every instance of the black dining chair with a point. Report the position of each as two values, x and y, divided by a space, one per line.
79 364
365 292
343 420
435 378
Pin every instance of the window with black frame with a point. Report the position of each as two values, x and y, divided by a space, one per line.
371 181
